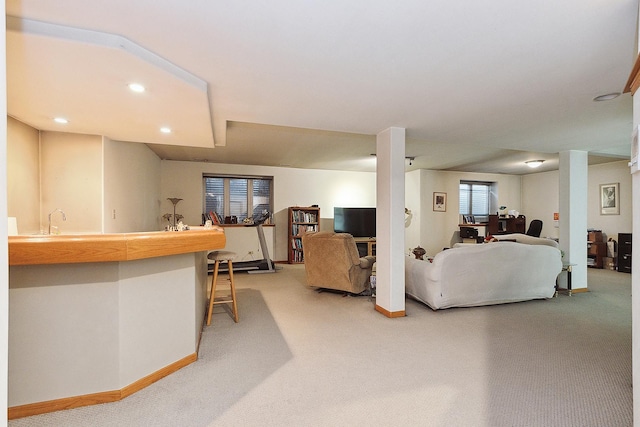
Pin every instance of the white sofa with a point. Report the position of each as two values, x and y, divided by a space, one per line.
485 274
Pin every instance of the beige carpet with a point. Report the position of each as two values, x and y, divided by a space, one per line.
303 358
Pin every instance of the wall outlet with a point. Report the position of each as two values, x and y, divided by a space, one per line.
113 214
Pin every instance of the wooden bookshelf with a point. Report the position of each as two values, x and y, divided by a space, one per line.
301 220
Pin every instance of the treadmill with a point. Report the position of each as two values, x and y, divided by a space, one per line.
265 265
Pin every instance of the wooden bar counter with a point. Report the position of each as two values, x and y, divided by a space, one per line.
65 249
94 318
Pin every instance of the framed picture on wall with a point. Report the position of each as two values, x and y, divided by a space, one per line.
440 202
610 199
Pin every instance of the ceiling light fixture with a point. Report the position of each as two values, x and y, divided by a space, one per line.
534 163
61 120
165 130
136 87
607 97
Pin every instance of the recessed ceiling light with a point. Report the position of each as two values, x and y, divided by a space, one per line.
61 120
165 130
534 163
136 87
607 97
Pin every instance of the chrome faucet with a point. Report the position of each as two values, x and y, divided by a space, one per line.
64 217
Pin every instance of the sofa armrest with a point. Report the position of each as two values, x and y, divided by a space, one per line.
367 262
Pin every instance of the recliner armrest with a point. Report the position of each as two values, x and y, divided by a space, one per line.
367 262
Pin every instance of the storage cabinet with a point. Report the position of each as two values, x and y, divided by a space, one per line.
596 249
301 220
596 253
624 252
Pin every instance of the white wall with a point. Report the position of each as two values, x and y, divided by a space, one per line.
434 230
635 276
609 173
131 188
23 175
74 172
540 193
540 200
292 187
71 180
412 222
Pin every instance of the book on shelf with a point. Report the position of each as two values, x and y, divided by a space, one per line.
296 243
304 216
213 217
298 229
297 256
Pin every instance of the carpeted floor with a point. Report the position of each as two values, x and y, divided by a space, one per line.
304 358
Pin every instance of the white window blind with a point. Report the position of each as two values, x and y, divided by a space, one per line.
475 199
237 196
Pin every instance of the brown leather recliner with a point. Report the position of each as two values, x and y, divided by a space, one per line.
331 261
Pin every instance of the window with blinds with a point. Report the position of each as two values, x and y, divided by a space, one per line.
475 199
237 196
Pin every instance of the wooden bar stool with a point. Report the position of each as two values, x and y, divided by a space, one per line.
219 256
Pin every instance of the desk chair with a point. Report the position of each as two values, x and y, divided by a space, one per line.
535 228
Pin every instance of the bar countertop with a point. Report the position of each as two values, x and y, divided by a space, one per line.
81 248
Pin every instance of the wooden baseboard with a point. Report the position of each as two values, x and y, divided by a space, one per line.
157 375
579 290
390 314
97 398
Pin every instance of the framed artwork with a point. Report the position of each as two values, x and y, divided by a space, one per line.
610 199
440 202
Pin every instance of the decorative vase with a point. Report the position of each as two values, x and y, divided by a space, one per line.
419 252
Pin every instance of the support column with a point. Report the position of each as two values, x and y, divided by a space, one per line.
635 265
390 153
4 251
573 214
635 276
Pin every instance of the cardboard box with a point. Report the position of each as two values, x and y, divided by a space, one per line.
609 263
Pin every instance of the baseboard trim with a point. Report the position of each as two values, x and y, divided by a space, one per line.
390 314
579 290
98 398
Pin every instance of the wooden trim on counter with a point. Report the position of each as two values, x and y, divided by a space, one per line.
97 398
634 78
67 249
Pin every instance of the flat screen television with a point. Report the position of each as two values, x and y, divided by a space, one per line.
359 222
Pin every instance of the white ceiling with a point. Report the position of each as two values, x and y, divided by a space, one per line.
479 86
